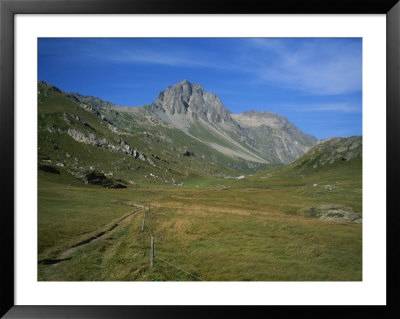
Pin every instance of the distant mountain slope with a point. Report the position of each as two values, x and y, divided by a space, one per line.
331 151
185 127
86 99
92 101
337 157
274 135
250 136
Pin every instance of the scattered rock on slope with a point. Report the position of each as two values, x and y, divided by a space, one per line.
335 213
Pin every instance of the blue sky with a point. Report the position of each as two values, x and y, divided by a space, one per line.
315 82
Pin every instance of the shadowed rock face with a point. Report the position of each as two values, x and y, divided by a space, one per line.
187 98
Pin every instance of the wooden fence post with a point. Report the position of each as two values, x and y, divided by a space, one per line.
152 252
144 219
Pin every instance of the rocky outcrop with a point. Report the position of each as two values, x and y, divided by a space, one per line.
91 110
110 126
69 118
54 129
91 139
87 138
335 213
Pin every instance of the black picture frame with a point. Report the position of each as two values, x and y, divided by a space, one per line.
8 8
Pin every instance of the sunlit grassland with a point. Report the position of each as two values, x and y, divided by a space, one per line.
222 230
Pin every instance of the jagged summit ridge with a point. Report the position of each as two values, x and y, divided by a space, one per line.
191 99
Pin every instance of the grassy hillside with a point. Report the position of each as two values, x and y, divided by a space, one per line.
339 183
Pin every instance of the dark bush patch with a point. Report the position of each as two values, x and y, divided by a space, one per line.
96 178
49 169
188 153
117 186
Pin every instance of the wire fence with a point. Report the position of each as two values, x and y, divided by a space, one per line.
193 275
153 256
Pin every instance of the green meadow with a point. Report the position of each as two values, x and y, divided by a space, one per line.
218 229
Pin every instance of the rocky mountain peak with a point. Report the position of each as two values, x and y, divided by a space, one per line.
191 99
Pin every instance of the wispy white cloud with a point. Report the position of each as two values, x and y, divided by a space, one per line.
313 67
332 107
152 57
168 56
320 107
113 51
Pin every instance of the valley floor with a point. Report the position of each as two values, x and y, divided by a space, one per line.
217 231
